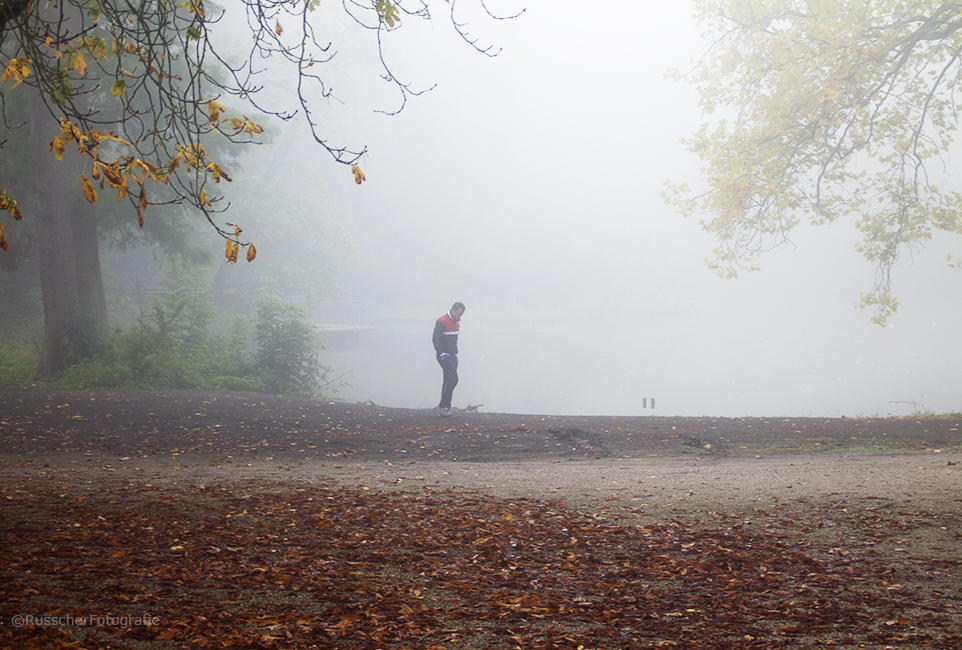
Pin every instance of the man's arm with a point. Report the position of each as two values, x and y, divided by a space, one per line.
438 334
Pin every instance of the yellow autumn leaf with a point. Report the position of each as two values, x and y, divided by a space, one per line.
57 146
251 127
80 64
17 69
278 29
214 108
231 252
146 169
358 174
202 198
66 129
173 164
89 191
192 155
10 205
251 252
98 137
69 132
113 175
217 173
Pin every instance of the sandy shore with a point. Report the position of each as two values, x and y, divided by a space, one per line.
927 480
922 480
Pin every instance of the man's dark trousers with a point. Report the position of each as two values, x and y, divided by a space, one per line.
449 364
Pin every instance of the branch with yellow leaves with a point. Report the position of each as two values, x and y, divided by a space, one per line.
151 74
234 244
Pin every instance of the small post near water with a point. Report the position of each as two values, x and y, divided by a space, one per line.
644 402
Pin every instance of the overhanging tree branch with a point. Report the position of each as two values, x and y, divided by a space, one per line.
839 109
137 87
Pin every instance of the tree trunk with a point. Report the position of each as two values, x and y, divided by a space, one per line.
74 307
90 284
61 304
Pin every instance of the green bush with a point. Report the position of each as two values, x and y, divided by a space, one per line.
287 348
173 346
16 367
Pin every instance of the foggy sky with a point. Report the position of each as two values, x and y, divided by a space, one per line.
528 187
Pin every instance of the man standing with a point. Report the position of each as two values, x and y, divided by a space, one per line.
446 348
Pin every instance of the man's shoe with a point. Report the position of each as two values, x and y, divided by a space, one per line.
446 413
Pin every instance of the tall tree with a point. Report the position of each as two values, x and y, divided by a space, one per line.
826 109
135 87
75 311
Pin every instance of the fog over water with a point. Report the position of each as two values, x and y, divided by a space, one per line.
528 187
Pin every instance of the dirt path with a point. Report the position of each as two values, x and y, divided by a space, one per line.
649 462
657 486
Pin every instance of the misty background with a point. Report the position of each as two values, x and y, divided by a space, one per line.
527 186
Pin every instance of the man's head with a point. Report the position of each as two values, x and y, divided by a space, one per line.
457 310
